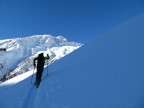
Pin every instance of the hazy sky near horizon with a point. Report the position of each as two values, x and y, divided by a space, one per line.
77 20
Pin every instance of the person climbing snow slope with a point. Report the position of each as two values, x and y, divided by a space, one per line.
40 66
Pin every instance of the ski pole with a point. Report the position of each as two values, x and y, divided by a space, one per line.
47 66
32 75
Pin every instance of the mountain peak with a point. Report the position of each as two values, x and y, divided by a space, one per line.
19 52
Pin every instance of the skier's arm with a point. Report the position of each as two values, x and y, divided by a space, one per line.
47 58
34 61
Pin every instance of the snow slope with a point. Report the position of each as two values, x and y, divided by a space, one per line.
106 73
19 54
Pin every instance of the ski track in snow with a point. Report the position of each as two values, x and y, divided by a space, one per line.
32 97
38 97
29 100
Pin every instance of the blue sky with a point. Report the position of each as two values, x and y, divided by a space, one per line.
77 20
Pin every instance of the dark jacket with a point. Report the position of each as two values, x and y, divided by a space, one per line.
40 60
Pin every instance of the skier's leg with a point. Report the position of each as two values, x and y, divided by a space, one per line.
40 76
37 76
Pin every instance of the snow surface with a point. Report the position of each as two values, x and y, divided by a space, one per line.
106 73
19 54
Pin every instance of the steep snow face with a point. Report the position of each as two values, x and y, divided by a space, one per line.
20 52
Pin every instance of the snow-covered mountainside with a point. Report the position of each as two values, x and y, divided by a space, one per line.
16 55
106 73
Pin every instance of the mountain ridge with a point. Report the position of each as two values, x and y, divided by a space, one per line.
20 51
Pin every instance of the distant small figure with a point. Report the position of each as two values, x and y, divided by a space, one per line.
40 65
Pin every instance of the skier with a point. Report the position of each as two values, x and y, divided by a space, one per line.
40 65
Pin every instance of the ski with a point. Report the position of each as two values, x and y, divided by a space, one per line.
37 84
